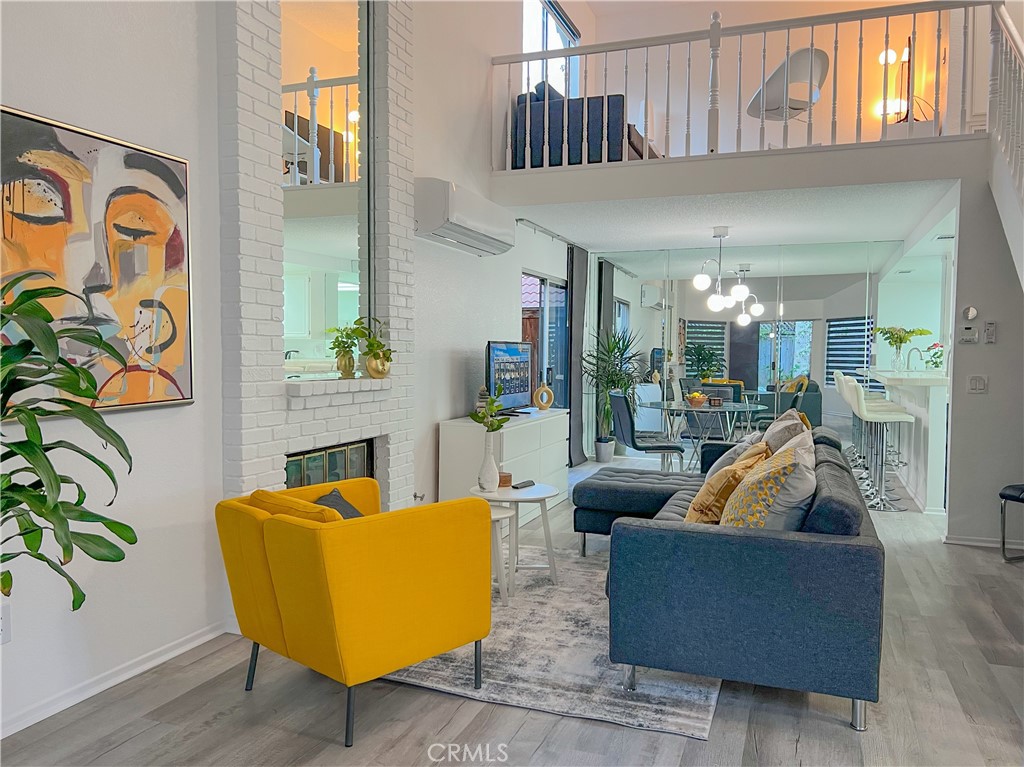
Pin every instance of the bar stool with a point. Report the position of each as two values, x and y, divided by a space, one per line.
1013 493
878 419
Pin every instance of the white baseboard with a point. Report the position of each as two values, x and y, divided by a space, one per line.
968 540
106 680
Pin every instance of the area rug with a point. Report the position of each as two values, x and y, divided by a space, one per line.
548 651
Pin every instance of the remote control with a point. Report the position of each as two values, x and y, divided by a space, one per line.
524 484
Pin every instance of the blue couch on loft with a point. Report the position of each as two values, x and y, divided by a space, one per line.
599 129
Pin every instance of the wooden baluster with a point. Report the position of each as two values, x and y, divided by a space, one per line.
349 170
686 145
785 99
330 151
860 80
295 132
510 110
546 137
938 73
312 161
585 145
963 73
835 68
646 154
810 92
764 58
625 106
668 100
565 113
604 112
885 82
713 88
739 96
910 79
528 146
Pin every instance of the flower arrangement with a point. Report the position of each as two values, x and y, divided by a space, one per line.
897 337
936 356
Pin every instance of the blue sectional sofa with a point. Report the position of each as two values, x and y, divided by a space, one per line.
800 610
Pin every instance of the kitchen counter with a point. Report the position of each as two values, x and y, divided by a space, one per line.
906 377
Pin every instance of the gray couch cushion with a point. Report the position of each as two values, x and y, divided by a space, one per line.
677 506
838 506
828 454
826 436
632 490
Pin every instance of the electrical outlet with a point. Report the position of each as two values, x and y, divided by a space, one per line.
977 384
5 621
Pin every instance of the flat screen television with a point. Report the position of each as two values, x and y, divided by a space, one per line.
508 364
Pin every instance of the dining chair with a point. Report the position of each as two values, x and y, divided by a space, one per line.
625 432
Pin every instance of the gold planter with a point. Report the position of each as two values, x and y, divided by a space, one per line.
347 365
377 368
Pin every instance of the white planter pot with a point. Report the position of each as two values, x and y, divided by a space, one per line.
605 451
487 477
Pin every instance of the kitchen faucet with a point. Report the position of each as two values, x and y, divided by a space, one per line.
919 354
288 354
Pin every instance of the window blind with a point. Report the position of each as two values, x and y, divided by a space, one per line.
711 334
848 347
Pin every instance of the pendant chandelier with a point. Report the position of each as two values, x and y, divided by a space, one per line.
738 293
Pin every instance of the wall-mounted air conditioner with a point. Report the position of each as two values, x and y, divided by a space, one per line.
453 216
651 298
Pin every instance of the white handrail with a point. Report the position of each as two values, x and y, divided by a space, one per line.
306 147
330 82
1010 32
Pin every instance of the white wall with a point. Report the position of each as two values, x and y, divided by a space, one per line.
170 592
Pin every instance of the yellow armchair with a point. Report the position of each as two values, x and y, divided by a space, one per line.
360 598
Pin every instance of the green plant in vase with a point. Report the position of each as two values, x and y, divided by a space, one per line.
613 365
897 337
488 414
703 361
377 354
344 345
37 514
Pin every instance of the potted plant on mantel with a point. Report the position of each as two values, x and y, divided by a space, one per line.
613 364
377 354
34 498
488 414
344 344
897 337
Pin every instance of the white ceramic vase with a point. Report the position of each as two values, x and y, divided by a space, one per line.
487 477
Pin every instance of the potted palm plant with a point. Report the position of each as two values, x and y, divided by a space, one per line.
41 502
703 361
613 364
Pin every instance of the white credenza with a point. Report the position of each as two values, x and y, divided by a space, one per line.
534 446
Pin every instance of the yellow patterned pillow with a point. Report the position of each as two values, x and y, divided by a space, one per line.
806 420
708 504
750 502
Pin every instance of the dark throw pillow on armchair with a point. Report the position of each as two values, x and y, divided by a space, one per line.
335 500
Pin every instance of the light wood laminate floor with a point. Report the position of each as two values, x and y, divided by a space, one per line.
952 694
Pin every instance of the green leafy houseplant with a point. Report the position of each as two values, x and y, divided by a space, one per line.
488 413
897 337
345 340
373 333
614 364
703 361
34 501
936 354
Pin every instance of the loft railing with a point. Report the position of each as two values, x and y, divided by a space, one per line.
313 152
1006 94
898 72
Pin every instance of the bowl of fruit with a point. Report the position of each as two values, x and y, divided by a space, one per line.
696 399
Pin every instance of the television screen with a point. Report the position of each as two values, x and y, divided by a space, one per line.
508 364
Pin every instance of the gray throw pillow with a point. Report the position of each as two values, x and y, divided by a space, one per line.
783 429
789 509
335 500
730 456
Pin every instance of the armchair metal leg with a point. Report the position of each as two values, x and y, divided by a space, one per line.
1002 537
350 715
253 655
477 664
583 544
858 717
629 679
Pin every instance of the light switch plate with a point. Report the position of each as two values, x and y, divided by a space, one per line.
977 384
990 332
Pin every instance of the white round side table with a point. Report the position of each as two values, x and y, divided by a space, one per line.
498 515
511 497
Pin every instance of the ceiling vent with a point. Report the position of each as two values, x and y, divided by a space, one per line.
941 237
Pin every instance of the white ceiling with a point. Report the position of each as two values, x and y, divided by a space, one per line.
336 21
846 214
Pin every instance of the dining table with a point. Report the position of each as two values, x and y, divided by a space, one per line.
725 415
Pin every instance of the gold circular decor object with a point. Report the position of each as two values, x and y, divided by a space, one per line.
377 368
543 398
347 365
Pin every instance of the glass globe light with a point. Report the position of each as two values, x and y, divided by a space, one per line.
740 291
716 302
730 302
701 281
757 309
743 319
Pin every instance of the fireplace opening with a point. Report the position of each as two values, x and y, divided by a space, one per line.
329 464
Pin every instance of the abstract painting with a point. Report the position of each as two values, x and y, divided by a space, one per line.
108 221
